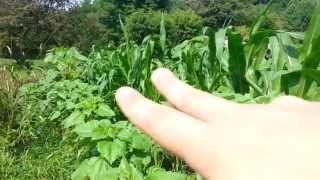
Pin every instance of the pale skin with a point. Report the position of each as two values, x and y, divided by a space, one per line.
222 140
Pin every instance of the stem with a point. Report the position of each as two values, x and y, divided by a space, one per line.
302 84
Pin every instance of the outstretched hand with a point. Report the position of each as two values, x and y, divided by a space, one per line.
223 140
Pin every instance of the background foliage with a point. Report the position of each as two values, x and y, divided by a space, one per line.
29 28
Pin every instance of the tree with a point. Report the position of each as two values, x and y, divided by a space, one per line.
220 13
180 25
299 13
28 27
109 12
177 4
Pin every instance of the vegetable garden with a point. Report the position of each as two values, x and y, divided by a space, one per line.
76 95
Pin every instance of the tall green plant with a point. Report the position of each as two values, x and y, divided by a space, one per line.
309 55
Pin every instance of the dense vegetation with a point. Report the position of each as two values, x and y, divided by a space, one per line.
28 28
61 122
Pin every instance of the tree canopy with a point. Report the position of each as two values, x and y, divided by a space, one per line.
30 27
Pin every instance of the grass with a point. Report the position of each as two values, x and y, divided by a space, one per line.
28 153
42 159
37 67
12 63
4 61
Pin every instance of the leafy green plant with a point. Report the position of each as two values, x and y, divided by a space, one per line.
76 95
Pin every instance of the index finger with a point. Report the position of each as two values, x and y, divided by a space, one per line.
177 132
194 102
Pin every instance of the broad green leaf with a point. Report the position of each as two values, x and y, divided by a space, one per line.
140 162
103 130
140 142
288 54
125 135
89 105
162 174
176 52
112 150
74 54
128 171
124 124
86 130
75 118
94 168
290 81
82 172
313 94
256 48
104 111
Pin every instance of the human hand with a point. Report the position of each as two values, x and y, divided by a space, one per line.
223 140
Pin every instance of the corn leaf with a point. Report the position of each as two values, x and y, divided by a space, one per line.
237 63
260 19
163 34
310 52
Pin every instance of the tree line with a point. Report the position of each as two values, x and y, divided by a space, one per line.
28 28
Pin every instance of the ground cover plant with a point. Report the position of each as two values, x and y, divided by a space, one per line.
75 98
26 152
